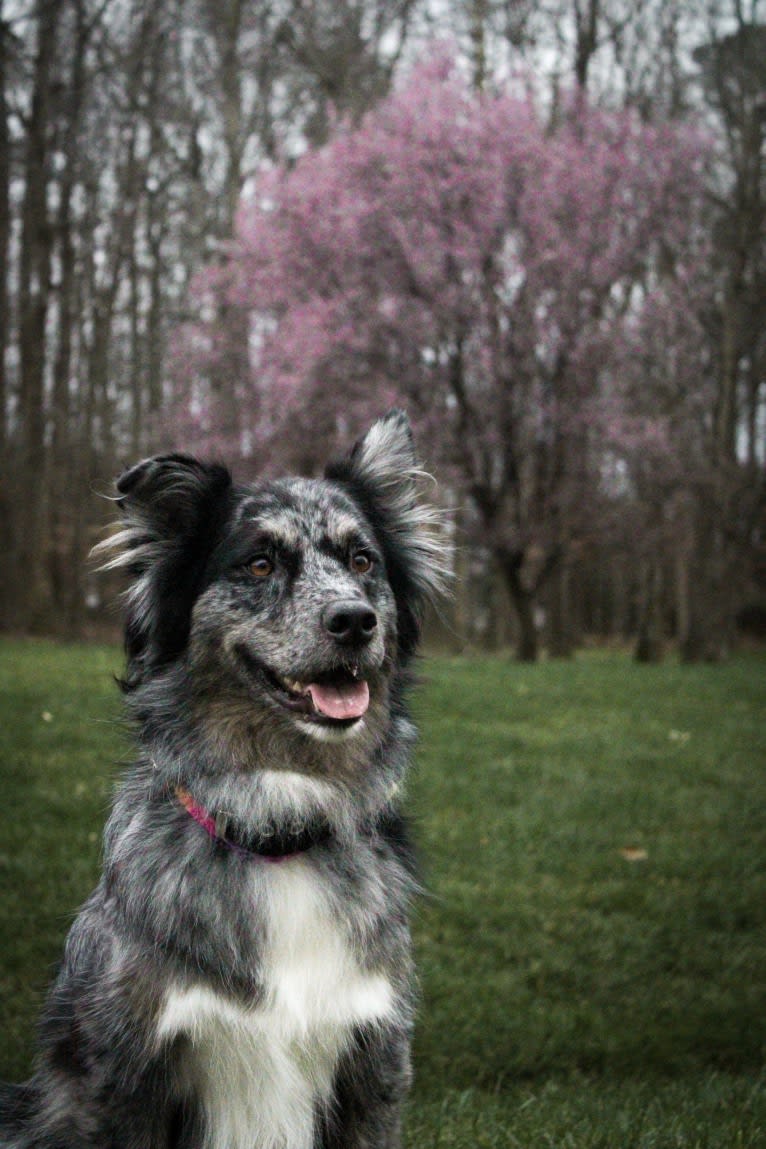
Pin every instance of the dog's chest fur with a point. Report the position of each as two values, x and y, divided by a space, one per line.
262 1074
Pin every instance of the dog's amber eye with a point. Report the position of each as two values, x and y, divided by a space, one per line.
361 563
261 567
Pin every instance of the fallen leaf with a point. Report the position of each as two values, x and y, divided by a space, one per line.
681 736
634 853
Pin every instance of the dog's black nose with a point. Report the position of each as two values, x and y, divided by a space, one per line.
349 622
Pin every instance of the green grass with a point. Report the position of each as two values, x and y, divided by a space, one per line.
593 944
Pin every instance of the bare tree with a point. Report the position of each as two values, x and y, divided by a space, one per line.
343 55
34 275
733 69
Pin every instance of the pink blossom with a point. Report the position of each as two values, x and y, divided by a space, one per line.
455 254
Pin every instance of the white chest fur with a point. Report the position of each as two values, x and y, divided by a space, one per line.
263 1072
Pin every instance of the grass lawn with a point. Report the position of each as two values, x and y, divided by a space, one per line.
593 943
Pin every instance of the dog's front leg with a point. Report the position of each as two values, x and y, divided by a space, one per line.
371 1085
69 1113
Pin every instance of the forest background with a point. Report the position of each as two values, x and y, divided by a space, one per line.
246 227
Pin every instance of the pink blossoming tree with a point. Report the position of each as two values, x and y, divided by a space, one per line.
458 255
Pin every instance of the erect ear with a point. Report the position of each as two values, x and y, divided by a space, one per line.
384 460
381 474
172 508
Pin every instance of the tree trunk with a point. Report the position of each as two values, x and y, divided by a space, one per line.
6 467
683 615
649 642
710 625
523 599
32 589
478 18
462 598
587 15
60 471
5 232
561 632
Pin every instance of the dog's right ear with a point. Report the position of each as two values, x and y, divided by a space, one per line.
173 507
168 493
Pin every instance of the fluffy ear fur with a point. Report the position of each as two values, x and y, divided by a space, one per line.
381 474
173 507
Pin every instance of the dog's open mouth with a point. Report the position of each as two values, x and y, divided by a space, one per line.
337 698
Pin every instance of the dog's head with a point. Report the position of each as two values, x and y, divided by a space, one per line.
286 606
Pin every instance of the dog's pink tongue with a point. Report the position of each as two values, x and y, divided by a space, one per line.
348 701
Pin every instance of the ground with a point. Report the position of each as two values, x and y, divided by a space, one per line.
592 942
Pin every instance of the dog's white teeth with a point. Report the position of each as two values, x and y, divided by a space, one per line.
293 685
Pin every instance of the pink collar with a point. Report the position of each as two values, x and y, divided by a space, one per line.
266 847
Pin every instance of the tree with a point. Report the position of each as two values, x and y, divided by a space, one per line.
620 52
726 512
127 133
452 254
343 54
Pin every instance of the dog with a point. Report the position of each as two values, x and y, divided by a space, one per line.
241 977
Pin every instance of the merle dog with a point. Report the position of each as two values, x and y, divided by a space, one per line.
241 977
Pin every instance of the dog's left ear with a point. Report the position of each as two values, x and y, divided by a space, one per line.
382 473
384 460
